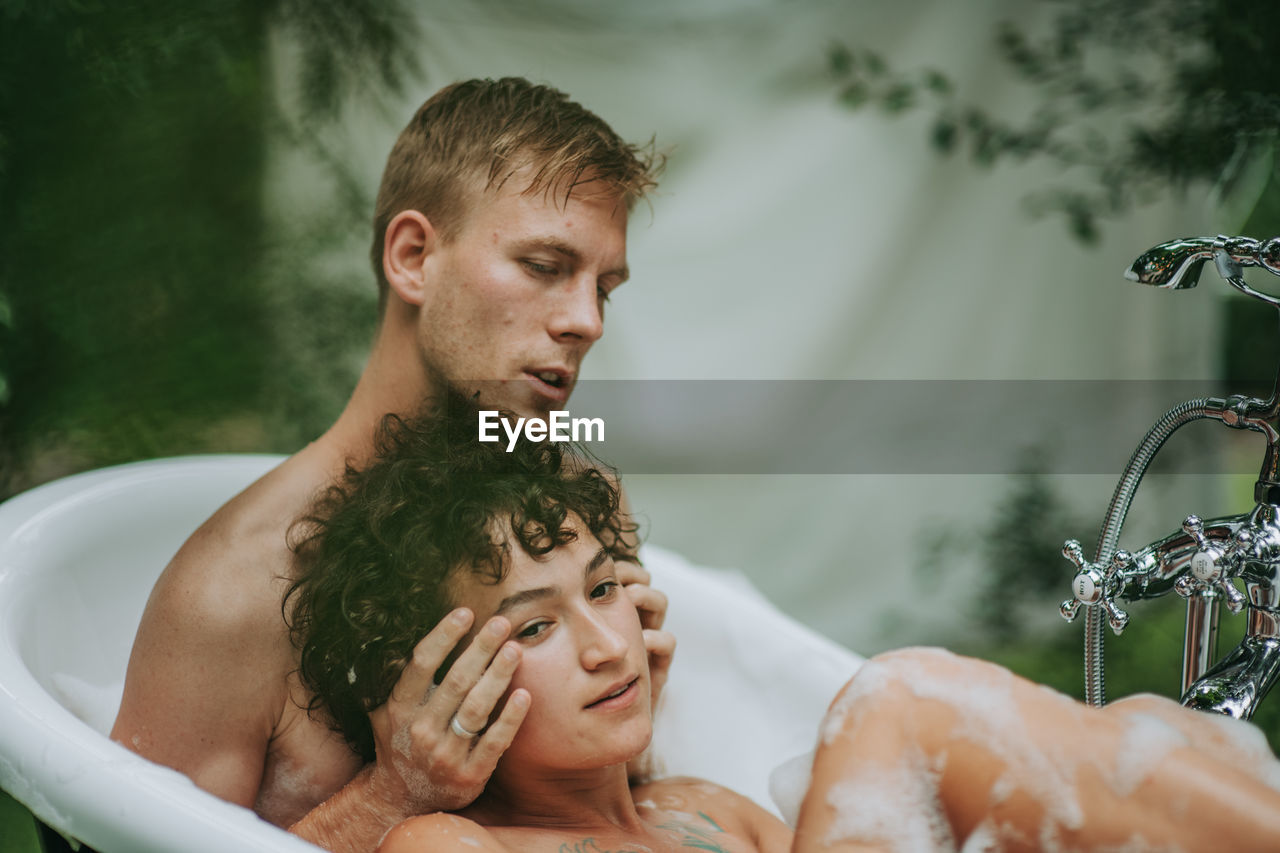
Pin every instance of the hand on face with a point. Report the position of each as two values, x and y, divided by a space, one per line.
425 761
652 607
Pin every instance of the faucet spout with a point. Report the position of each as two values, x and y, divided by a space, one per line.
1175 265
1237 683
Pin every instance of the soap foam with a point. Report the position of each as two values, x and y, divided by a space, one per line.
897 807
1146 741
788 784
1249 748
988 717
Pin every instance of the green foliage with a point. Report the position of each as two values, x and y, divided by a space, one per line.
138 271
1020 549
1193 87
6 324
17 832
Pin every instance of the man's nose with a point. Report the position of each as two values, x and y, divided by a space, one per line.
578 312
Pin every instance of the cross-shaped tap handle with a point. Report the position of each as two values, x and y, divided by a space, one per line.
1092 584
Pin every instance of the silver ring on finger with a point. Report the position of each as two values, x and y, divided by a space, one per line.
458 729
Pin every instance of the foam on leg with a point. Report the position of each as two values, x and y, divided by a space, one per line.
925 750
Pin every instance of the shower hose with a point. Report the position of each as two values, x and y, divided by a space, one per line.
1167 425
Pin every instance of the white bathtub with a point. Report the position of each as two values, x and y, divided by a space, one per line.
78 557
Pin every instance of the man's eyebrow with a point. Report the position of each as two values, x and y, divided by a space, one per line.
524 596
560 247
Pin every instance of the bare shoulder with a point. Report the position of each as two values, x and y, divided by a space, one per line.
681 792
706 806
207 679
232 571
442 832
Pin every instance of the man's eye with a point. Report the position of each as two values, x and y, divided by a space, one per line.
605 590
538 268
602 294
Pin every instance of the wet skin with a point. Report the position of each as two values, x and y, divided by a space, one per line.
515 299
511 305
562 784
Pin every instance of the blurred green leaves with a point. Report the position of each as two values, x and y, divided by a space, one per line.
6 325
1132 98
140 276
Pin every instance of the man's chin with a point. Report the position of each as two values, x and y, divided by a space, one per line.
517 397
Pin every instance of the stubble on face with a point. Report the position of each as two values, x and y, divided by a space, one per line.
516 295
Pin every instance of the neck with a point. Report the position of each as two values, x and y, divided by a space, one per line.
582 801
394 380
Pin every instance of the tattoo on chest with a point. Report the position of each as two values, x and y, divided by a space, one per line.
588 845
693 836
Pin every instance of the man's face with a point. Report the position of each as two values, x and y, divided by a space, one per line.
516 298
583 663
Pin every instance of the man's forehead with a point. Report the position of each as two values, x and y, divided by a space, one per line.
531 180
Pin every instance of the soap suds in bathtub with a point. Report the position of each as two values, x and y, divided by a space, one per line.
896 808
788 783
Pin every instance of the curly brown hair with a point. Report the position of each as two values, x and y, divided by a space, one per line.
376 550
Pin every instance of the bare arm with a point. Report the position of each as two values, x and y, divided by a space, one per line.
203 688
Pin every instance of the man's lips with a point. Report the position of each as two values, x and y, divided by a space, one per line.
620 694
551 382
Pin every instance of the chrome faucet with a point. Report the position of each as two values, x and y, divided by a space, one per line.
1204 560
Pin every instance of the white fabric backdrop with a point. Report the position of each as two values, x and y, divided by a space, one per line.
793 239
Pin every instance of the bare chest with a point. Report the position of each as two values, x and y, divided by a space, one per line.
669 833
305 765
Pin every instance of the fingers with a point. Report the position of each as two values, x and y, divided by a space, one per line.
630 572
432 650
469 668
651 603
475 711
494 742
661 646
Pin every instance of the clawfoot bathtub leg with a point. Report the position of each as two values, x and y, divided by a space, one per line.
925 750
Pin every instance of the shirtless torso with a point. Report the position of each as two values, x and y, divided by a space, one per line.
670 815
214 629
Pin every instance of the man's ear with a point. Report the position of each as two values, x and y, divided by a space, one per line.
409 239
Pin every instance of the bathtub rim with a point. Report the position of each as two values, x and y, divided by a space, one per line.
62 769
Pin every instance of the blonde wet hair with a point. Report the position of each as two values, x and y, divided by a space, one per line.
474 136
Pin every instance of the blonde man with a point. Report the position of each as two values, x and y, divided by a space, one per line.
500 232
